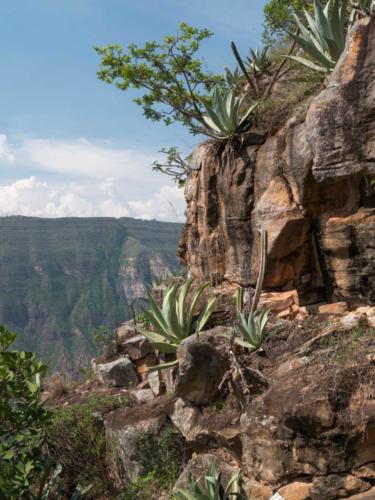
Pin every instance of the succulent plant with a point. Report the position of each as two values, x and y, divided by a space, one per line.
259 61
174 321
323 39
361 8
233 78
251 329
225 116
212 488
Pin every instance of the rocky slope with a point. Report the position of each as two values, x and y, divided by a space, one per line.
308 186
61 279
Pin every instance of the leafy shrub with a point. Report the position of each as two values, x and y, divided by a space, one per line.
212 488
105 340
172 77
175 165
76 441
161 457
175 321
23 419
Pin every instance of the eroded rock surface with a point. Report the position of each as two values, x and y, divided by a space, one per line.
308 186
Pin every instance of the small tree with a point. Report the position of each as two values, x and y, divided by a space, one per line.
279 15
23 419
174 80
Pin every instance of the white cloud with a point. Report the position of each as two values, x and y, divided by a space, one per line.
84 179
80 157
6 153
168 203
33 197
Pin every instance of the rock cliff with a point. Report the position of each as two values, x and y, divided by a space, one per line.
307 185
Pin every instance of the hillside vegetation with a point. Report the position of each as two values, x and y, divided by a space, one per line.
61 279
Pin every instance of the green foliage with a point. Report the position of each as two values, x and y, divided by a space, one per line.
76 441
361 8
105 339
227 114
161 457
212 488
174 321
61 279
252 329
233 79
259 61
52 490
174 165
23 419
324 37
173 79
279 14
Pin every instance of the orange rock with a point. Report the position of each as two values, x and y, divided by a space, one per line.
296 491
278 302
335 308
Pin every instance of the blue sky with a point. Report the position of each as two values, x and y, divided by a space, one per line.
72 145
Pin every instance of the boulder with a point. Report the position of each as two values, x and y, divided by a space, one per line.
296 491
201 368
126 331
118 373
337 308
337 486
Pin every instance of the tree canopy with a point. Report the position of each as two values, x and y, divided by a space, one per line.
172 78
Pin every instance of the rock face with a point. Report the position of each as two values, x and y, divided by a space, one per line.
307 186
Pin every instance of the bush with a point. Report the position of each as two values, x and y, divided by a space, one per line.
23 419
76 441
161 457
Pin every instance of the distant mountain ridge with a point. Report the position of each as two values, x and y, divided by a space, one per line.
61 279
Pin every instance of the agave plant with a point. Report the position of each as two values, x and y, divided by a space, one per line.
323 39
234 78
252 329
174 321
361 8
212 489
225 116
259 61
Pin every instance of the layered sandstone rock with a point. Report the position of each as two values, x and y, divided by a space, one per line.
308 186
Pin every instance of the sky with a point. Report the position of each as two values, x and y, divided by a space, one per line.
71 145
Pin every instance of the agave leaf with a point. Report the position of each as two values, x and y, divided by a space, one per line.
181 494
309 64
181 303
156 311
309 46
160 329
155 337
233 486
223 115
205 314
243 343
321 20
170 312
163 366
196 297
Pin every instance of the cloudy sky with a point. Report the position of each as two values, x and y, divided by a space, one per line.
71 145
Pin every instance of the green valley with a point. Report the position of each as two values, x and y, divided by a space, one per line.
61 279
